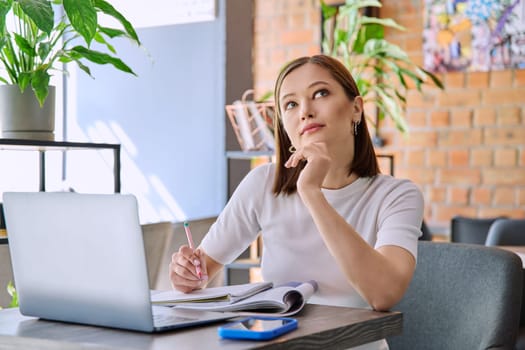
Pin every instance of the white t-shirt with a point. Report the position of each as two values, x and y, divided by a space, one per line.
382 209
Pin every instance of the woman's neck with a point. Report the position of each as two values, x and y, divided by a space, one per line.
335 181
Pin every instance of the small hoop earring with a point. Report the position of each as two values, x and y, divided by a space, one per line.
292 149
356 124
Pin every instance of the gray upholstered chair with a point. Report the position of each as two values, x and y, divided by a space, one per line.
470 230
506 232
157 238
461 297
510 232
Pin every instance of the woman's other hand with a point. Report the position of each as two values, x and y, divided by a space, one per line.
317 165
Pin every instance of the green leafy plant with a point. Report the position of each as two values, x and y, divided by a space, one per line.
14 296
376 64
47 33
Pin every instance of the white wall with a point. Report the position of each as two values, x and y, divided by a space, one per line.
169 120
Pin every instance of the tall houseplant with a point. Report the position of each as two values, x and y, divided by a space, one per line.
47 33
350 34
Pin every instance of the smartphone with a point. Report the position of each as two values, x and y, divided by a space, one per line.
258 328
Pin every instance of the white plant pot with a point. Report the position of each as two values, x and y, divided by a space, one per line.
21 116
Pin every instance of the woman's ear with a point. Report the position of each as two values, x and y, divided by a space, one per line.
358 108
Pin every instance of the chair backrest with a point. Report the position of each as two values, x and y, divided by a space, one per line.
426 235
461 297
157 237
506 232
470 230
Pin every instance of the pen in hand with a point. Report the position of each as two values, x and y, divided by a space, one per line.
192 246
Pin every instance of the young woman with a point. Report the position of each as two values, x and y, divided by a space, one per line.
324 210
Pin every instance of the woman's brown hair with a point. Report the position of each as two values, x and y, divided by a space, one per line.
364 163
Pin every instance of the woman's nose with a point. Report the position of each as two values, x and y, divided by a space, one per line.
306 111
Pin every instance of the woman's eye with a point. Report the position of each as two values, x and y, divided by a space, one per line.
290 105
321 93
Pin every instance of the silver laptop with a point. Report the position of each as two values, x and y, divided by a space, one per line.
80 258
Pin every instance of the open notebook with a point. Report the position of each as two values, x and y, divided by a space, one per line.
251 298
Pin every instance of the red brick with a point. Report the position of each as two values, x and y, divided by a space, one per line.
414 43
436 195
479 196
278 55
509 212
503 196
458 195
417 99
477 80
500 78
295 6
420 176
505 157
297 51
521 197
422 138
460 98
504 176
458 158
313 50
436 158
504 136
460 176
297 20
481 157
461 117
267 8
444 213
501 97
519 77
416 118
412 24
294 37
328 2
455 80
469 137
484 116
509 116
415 158
439 118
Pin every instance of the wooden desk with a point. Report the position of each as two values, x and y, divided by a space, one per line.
320 327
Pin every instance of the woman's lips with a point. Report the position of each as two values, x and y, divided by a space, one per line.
311 128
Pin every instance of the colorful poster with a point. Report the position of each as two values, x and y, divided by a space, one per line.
474 35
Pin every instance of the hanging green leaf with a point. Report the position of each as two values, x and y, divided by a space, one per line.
5 7
41 12
327 10
40 84
24 45
112 32
108 9
83 17
382 22
101 58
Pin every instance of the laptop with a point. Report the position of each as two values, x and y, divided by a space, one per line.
80 258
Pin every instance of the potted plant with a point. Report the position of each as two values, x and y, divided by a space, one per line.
44 35
354 34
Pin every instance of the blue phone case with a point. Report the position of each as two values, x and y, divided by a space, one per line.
228 332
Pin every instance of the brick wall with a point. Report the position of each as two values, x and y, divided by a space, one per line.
466 148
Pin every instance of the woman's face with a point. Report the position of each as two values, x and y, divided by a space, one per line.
315 108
